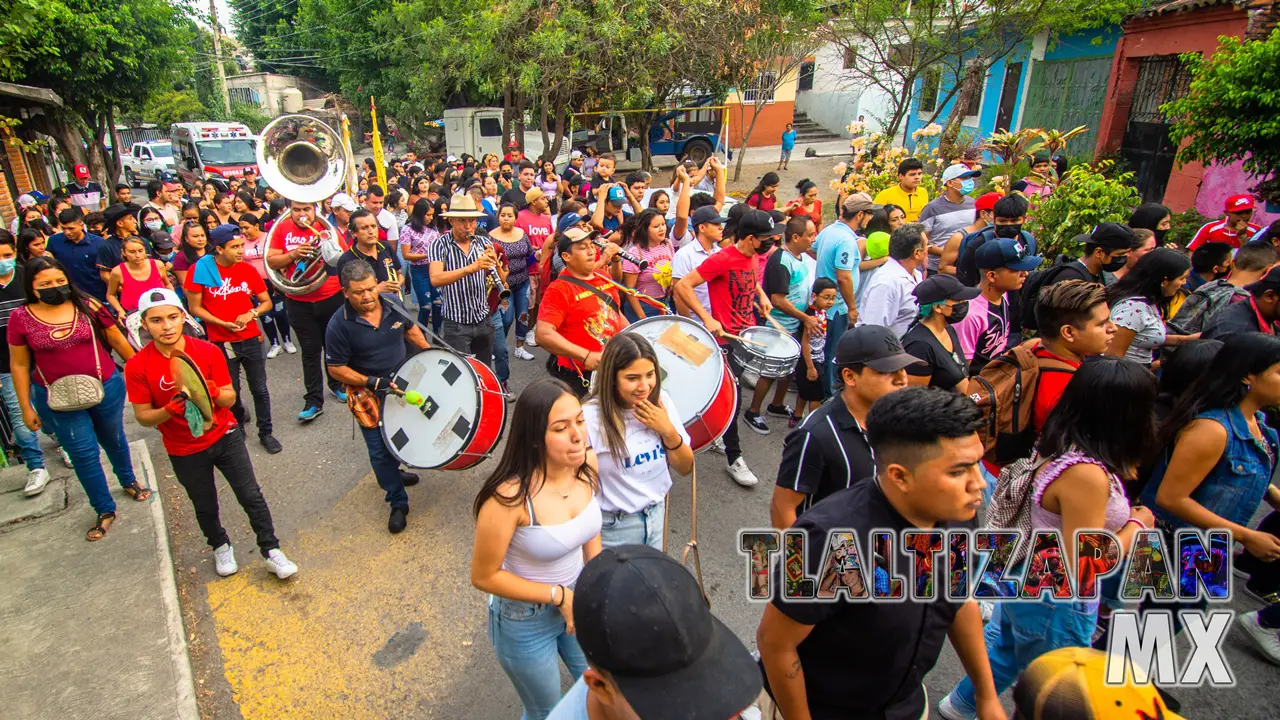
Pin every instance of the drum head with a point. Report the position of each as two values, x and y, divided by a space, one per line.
689 360
437 432
774 342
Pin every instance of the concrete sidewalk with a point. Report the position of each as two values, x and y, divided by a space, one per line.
90 630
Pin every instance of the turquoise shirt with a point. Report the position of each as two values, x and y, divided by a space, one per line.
837 249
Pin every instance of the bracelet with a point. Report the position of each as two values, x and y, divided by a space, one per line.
552 601
562 596
1137 522
672 449
587 356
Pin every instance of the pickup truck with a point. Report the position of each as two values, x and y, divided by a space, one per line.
145 162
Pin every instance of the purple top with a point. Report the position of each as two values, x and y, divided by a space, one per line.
1117 503
61 350
519 257
418 242
180 261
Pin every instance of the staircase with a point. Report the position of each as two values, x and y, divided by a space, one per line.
808 131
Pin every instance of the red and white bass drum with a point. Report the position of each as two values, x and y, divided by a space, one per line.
694 373
461 419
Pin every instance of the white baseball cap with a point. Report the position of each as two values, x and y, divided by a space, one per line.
343 201
26 201
575 154
157 298
451 158
959 170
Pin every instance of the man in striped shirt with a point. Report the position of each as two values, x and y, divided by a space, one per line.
829 450
461 266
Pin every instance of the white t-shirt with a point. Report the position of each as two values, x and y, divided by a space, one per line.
1138 315
687 259
643 478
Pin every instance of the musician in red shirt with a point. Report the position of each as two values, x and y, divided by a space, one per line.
214 443
294 242
579 311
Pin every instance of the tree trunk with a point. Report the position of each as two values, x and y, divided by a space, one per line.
969 86
646 153
562 134
61 126
115 168
543 121
746 137
508 114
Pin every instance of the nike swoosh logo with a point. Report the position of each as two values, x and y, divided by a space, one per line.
167 385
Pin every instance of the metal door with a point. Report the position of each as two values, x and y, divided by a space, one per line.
1064 94
1147 147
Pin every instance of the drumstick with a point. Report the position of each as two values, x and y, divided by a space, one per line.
775 323
739 338
654 302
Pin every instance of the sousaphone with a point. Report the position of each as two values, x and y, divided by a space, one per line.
304 160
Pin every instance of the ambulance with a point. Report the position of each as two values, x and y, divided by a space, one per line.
213 151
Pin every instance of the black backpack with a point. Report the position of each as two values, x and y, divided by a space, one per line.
966 264
1031 290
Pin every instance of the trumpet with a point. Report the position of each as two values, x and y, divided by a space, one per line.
637 261
494 279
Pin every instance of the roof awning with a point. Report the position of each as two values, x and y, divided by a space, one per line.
38 95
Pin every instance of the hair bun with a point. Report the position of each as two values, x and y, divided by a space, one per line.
802 183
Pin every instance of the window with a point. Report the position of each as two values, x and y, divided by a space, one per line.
929 86
850 58
762 89
245 95
490 127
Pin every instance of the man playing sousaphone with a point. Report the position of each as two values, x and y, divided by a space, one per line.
364 344
462 266
195 444
294 240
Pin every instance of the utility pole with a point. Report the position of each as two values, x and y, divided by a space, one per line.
217 51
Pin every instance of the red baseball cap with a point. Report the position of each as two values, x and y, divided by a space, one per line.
513 144
81 171
1239 203
987 202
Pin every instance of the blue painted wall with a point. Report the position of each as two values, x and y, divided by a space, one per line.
1090 43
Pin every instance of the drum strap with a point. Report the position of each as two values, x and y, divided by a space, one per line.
604 297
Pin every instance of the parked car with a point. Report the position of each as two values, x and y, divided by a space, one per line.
146 161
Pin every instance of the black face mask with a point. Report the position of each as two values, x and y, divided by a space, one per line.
764 247
1008 231
54 295
958 311
1160 235
1115 263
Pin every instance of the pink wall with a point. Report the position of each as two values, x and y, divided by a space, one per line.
1219 182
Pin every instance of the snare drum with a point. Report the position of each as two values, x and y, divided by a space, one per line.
694 373
462 416
775 356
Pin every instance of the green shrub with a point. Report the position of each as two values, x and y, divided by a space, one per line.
1184 227
1088 195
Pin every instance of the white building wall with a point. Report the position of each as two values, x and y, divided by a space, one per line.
838 97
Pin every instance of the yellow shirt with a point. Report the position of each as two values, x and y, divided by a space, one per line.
912 203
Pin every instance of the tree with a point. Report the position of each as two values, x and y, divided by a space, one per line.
282 38
1242 76
172 106
102 57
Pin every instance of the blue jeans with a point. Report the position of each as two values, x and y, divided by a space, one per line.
386 468
1021 631
638 528
28 442
82 431
836 325
428 297
516 311
501 359
527 638
648 310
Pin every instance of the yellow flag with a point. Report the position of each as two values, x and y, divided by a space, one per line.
353 182
379 161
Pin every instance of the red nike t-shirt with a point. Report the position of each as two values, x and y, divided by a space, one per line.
732 279
291 236
240 285
148 379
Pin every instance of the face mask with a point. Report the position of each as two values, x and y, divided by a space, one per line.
7 266
54 295
168 257
1008 231
967 186
958 311
1160 235
1115 264
154 225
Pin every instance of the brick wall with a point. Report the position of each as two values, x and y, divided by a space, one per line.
1264 16
8 208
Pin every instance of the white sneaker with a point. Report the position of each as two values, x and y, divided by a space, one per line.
1266 639
224 560
274 351
949 711
742 474
751 713
282 566
66 459
523 354
289 347
987 608
36 480
717 446
529 341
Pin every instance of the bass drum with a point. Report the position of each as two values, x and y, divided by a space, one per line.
461 419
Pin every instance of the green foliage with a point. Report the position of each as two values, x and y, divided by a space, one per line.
173 106
1084 198
1184 226
245 113
1244 77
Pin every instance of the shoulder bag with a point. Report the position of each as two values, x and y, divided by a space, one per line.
76 392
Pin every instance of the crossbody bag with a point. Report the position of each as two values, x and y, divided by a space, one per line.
76 392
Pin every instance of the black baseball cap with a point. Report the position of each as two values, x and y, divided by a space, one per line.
759 223
705 214
875 346
943 287
1112 236
641 617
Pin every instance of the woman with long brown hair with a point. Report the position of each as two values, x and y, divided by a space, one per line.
537 524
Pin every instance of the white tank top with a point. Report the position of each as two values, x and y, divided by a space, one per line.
552 554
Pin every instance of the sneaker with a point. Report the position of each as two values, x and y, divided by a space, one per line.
274 351
1265 599
66 459
793 420
1265 639
339 392
311 413
289 347
948 711
755 422
224 560
506 392
781 411
530 342
277 563
270 443
397 522
409 479
717 446
522 354
751 713
742 474
36 480
987 609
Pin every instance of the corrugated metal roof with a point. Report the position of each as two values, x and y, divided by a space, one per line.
1166 7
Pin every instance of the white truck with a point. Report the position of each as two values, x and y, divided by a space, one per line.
213 151
478 130
147 161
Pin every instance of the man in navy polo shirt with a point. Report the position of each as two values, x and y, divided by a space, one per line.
77 250
363 346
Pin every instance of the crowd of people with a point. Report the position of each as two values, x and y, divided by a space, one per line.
921 326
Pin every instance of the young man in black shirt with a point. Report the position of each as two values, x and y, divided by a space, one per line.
829 450
868 659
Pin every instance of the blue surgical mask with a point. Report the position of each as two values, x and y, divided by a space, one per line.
168 257
7 265
154 225
967 186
